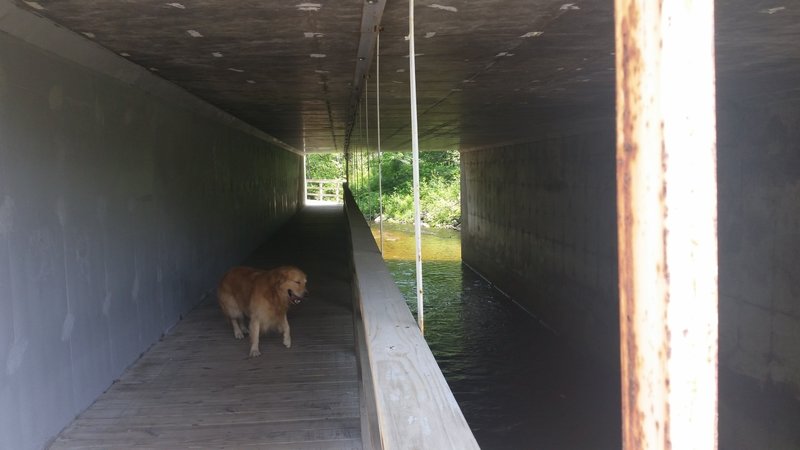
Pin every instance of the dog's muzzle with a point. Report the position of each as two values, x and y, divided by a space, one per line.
294 299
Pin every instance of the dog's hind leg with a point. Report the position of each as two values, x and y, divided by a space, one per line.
237 330
287 338
243 326
228 304
235 317
255 329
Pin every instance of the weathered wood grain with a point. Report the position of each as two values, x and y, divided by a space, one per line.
412 401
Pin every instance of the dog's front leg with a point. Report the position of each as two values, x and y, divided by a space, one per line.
287 339
255 329
237 331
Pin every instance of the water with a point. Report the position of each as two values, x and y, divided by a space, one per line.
516 382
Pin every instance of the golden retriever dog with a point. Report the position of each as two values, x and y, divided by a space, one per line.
264 296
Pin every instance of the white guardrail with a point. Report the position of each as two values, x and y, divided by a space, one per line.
405 400
324 190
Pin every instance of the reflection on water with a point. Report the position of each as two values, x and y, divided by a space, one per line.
517 384
437 244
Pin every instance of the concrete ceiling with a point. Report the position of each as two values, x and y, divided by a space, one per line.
488 72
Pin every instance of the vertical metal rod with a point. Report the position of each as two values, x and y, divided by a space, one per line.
666 199
305 181
355 155
363 144
360 149
378 115
415 156
366 126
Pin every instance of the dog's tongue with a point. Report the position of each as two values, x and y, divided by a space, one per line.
293 298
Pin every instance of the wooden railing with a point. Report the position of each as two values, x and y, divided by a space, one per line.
405 400
324 190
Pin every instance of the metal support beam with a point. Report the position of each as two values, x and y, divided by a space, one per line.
666 191
371 14
305 178
378 114
412 75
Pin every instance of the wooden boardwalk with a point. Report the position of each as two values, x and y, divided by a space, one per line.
197 388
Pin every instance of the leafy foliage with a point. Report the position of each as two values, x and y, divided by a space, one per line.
440 174
325 166
440 186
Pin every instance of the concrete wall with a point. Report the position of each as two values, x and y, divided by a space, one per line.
539 221
759 232
120 207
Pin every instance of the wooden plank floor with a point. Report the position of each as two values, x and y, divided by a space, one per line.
197 388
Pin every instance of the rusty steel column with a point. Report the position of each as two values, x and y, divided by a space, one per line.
667 209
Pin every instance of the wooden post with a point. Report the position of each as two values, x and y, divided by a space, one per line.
666 194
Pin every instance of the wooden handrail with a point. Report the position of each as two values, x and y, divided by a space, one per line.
406 402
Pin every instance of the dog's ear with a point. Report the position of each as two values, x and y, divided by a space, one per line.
284 276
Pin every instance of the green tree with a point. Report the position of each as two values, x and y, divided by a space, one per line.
440 188
440 184
325 166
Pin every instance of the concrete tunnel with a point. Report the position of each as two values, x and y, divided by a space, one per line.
147 146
